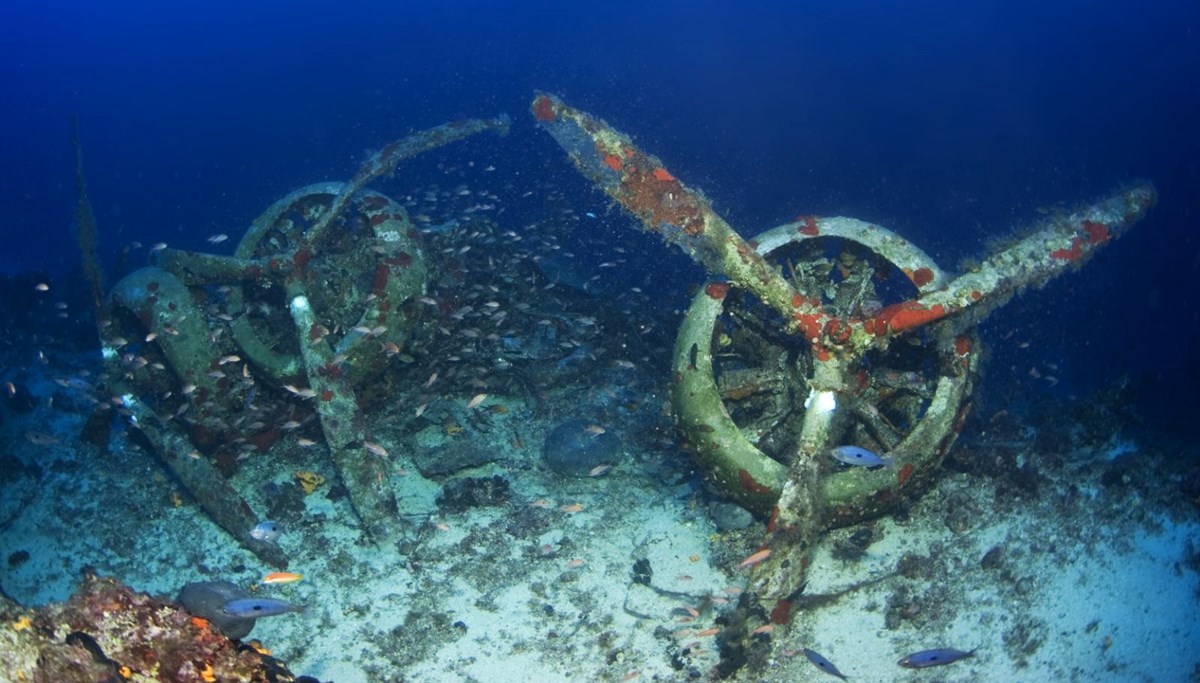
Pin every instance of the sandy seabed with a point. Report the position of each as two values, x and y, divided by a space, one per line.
1073 581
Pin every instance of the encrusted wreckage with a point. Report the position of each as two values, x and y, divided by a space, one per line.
791 351
335 264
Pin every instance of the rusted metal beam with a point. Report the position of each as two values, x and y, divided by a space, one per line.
666 207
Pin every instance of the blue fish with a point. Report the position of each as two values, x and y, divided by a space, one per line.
860 457
823 664
936 657
252 608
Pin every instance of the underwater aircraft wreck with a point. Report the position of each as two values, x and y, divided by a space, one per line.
359 280
821 333
789 352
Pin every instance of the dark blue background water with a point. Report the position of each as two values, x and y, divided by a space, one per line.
948 122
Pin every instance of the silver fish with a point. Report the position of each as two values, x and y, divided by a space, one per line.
267 531
860 457
936 657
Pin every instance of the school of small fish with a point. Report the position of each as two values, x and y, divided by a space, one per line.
507 294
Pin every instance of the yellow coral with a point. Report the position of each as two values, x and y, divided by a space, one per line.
309 481
22 623
207 673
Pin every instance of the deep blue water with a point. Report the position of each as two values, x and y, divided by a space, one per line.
947 122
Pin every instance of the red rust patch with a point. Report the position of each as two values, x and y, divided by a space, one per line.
809 324
808 226
301 259
962 345
862 379
331 369
263 440
327 395
773 519
1071 254
663 175
921 277
1096 232
646 195
381 279
613 162
749 484
907 315
904 473
379 219
400 259
837 331
782 612
543 109
717 290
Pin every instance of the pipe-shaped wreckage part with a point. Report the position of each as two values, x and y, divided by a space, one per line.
363 472
385 161
1057 245
200 479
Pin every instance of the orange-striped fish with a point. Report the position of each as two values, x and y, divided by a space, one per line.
281 577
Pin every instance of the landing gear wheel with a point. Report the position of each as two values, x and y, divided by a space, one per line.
357 273
750 398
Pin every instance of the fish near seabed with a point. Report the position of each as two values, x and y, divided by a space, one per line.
281 577
936 657
205 599
823 664
267 531
254 608
860 457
